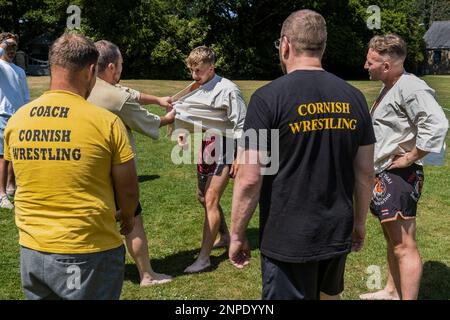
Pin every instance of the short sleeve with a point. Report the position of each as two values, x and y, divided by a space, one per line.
140 120
258 121
134 95
120 145
432 125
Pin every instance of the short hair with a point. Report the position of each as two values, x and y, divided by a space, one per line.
201 55
73 52
391 45
306 30
8 35
108 53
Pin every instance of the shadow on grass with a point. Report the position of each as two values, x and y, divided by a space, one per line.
146 177
175 264
435 284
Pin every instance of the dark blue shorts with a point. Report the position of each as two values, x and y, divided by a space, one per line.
302 281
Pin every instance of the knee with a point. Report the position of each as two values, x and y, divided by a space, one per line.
211 201
404 249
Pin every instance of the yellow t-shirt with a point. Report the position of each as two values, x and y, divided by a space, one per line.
62 149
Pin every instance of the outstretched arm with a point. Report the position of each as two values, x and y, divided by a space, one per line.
165 102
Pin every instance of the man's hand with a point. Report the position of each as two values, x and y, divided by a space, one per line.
358 235
239 252
165 102
400 162
126 226
182 141
234 169
168 118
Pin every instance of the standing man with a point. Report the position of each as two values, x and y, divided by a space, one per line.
13 94
313 211
216 105
408 124
69 156
126 103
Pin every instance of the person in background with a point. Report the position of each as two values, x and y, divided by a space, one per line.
14 93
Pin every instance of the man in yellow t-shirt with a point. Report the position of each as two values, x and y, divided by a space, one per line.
69 156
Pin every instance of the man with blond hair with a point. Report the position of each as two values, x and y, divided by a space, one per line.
69 157
215 105
408 123
313 210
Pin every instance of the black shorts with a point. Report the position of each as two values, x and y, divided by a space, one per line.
396 193
302 281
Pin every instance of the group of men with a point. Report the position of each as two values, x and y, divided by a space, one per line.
312 210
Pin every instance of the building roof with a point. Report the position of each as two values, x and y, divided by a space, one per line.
438 36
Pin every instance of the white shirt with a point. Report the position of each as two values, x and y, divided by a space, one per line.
218 104
13 88
407 116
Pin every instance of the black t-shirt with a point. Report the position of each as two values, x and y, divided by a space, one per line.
306 208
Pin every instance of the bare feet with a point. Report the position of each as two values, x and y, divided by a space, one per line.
380 295
197 266
156 278
222 242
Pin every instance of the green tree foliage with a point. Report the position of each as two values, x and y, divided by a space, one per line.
155 36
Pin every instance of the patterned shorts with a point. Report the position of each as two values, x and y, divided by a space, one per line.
396 193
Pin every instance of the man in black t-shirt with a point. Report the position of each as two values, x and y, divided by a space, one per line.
313 210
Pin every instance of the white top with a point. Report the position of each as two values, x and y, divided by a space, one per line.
218 104
407 116
13 88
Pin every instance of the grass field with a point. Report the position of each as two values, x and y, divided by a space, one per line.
173 220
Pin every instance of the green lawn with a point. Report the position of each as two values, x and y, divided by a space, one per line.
174 219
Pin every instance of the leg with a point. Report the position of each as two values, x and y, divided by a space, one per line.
224 234
137 246
213 192
4 202
402 234
390 291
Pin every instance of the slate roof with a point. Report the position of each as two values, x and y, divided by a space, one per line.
438 36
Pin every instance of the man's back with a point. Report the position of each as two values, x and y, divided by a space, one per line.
306 208
63 148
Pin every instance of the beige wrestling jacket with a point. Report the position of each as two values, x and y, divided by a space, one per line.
123 102
407 116
218 104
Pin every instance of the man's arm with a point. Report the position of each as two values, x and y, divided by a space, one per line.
127 193
245 199
408 159
165 102
364 178
432 125
138 119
